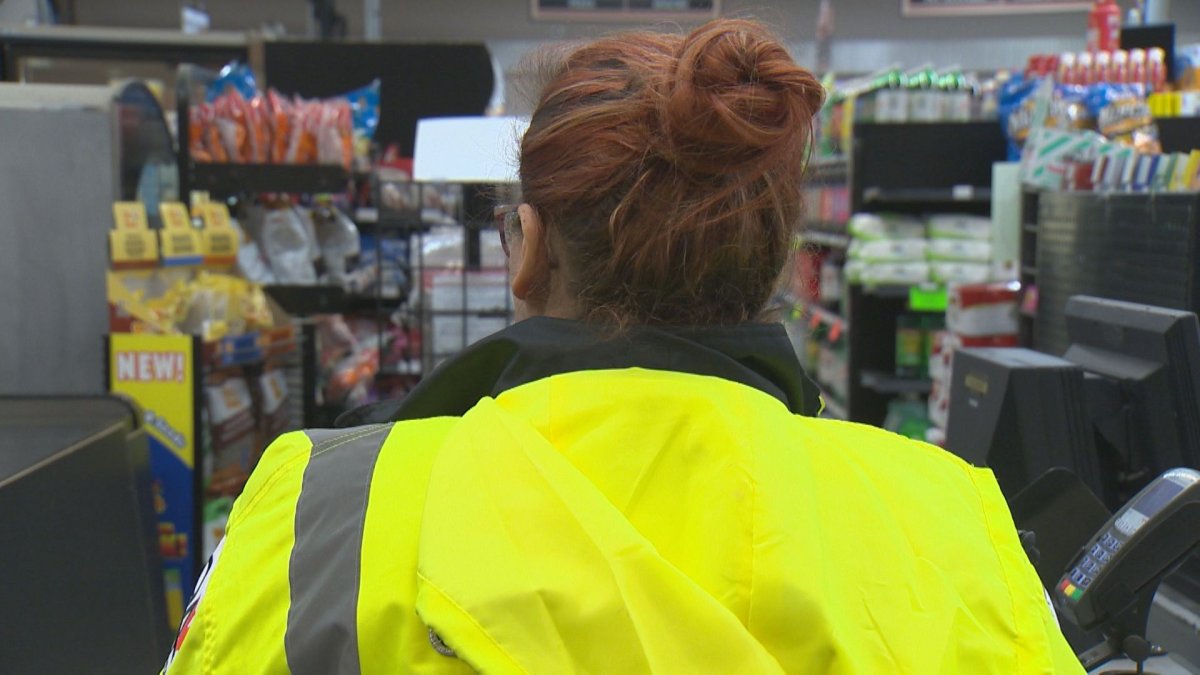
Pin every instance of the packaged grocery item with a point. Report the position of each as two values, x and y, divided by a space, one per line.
910 346
383 266
258 120
250 261
852 271
1015 108
907 416
304 128
868 226
335 134
289 247
960 250
890 250
280 119
199 119
231 121
1123 115
339 241
1069 109
959 226
982 310
235 78
1048 154
907 274
364 106
351 378
959 272
230 412
273 410
1184 171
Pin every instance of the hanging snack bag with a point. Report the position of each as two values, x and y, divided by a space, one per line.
229 116
280 120
364 108
258 118
199 117
231 428
288 247
273 391
335 143
234 78
302 143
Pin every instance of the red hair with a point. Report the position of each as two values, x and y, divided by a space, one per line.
669 167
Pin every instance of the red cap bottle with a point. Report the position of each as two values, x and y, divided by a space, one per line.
1104 26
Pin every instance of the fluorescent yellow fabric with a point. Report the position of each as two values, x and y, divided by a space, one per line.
642 521
390 638
240 622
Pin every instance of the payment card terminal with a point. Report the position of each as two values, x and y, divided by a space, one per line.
1144 541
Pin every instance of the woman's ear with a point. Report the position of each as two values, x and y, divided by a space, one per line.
531 259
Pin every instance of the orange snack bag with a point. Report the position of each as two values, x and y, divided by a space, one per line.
280 120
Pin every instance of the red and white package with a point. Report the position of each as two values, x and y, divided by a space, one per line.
983 310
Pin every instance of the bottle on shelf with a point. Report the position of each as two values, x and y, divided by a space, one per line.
1104 26
908 416
910 346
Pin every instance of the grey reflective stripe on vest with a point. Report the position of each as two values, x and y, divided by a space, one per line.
323 574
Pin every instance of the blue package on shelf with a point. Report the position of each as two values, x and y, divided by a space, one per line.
386 254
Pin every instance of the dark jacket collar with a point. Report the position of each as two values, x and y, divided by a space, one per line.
756 355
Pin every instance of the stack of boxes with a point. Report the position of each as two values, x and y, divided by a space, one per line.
977 315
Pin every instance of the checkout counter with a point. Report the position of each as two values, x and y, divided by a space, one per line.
82 588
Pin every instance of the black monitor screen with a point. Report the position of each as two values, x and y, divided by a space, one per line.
1144 396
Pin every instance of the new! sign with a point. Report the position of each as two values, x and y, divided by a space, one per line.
150 366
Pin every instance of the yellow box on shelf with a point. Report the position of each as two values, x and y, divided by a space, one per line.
220 239
181 243
132 244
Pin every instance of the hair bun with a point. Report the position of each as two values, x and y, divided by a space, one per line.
736 100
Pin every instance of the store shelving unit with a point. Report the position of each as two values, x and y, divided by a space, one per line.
886 383
1176 134
906 168
1027 274
1132 247
234 179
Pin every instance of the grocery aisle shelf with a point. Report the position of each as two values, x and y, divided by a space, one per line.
961 194
886 383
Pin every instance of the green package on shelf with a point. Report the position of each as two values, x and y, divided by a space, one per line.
924 298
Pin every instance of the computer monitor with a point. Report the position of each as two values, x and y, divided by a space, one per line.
1142 387
1120 407
1020 413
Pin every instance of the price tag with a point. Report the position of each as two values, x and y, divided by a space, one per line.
181 243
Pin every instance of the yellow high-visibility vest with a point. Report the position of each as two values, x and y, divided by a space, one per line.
620 521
